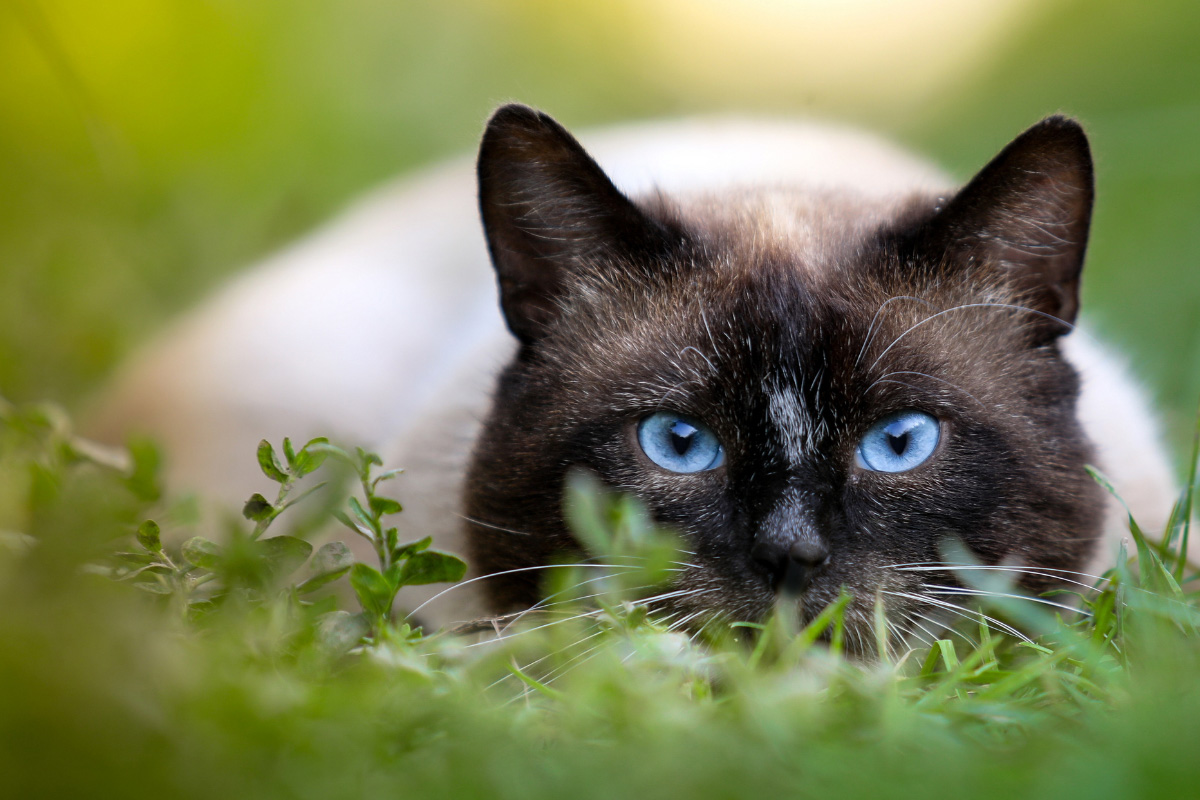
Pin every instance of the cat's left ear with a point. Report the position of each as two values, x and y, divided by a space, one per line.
1024 219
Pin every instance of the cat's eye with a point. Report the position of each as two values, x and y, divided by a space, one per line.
899 442
679 443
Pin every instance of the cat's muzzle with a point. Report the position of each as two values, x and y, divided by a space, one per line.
791 568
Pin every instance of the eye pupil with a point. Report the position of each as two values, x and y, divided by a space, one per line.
681 437
898 443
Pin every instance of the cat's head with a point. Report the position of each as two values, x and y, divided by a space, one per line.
816 391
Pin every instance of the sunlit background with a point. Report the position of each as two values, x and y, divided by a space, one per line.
150 148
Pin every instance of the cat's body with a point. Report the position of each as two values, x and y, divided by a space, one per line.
384 329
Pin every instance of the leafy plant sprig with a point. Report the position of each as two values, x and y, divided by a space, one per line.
400 564
247 561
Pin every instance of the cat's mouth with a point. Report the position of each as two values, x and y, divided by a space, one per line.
887 608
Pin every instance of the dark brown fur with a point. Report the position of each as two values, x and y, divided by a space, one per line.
693 305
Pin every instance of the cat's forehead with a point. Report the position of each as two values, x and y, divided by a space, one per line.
790 304
799 274
773 284
812 231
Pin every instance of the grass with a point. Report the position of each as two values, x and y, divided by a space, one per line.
132 668
149 149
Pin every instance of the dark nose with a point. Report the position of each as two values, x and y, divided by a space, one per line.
790 568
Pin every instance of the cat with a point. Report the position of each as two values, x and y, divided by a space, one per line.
796 344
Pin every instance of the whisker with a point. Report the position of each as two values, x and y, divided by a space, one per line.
884 378
933 637
984 593
911 632
632 557
871 328
946 626
1038 571
971 614
856 634
674 626
662 401
470 581
525 667
490 525
697 352
674 594
701 629
932 317
900 636
931 566
503 638
663 620
561 670
589 613
570 666
542 605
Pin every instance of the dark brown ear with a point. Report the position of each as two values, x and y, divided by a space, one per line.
1025 216
549 210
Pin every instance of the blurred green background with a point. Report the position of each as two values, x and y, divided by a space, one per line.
150 148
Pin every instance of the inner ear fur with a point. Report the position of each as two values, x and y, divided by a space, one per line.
548 211
1025 218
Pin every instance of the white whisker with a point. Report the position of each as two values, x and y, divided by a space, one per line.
674 626
984 593
674 594
470 581
930 566
932 317
542 605
491 526
1038 571
946 626
971 614
503 638
717 616
561 670
569 666
904 635
534 663
900 636
933 566
871 328
583 615
884 379
933 637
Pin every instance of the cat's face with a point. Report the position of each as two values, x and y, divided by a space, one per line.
814 407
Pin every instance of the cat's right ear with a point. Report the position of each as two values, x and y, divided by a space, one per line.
548 211
1023 222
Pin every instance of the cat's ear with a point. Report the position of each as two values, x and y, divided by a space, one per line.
1024 218
548 209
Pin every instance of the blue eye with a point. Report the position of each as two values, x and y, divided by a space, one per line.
899 442
678 443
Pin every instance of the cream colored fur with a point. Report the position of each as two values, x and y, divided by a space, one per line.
383 329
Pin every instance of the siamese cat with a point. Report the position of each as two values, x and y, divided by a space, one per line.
801 348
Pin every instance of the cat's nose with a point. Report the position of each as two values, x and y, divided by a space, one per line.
791 568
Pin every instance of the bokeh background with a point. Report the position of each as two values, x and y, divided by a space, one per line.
151 148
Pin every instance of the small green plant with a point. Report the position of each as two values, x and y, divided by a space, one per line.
255 569
401 564
241 668
203 574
